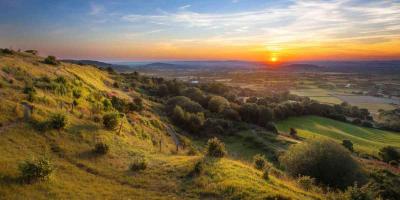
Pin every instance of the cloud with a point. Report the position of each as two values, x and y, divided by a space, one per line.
184 7
302 21
95 9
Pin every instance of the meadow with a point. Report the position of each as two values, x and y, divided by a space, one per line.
366 140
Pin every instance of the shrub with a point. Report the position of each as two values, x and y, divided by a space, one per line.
356 121
138 164
356 193
367 124
33 52
195 121
266 174
58 121
293 132
139 104
36 170
7 51
266 115
51 60
231 114
325 160
107 104
217 104
385 184
101 148
198 169
348 145
215 148
259 161
305 182
271 127
389 153
111 120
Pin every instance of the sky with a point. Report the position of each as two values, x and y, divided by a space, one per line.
260 30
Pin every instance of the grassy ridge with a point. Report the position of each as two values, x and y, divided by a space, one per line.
81 174
364 139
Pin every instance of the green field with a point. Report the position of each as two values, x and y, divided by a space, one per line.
365 139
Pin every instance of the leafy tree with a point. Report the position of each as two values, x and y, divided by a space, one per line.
36 170
217 104
215 148
389 153
195 121
111 120
348 145
266 115
259 161
107 104
51 60
271 126
101 148
249 112
325 160
58 121
231 114
195 94
293 132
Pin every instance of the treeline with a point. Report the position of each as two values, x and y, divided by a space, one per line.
214 107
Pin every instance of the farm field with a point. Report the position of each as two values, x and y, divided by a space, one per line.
366 140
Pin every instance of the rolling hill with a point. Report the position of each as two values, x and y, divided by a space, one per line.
82 174
366 140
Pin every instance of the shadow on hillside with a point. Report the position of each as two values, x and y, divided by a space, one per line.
89 154
9 180
77 128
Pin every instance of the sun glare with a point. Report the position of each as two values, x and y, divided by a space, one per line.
274 59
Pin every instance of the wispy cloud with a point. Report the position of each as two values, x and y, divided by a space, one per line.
95 9
302 21
184 7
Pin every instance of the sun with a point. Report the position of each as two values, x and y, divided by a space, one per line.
274 59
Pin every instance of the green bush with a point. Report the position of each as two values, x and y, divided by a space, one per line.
101 148
217 104
51 60
389 153
259 161
305 182
266 174
36 170
271 127
325 160
348 145
356 193
293 132
58 121
198 168
111 120
138 164
215 148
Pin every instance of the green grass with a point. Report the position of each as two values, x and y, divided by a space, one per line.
367 140
81 174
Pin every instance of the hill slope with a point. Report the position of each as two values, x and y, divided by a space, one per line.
365 139
82 174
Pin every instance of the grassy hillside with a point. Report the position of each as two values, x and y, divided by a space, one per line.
365 139
82 174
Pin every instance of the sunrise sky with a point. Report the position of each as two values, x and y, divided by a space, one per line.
136 30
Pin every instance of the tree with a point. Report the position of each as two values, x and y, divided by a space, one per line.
58 121
36 170
178 115
111 120
265 116
348 145
51 60
389 153
249 112
215 148
293 132
195 121
259 161
217 104
325 160
231 114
